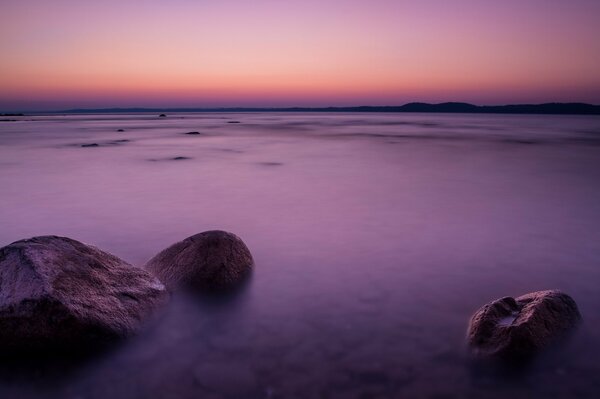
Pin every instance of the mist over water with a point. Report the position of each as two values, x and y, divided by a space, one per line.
375 236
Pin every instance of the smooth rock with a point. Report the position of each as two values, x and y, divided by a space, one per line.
58 291
210 260
520 327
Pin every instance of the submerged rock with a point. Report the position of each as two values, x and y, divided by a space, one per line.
58 291
212 260
520 327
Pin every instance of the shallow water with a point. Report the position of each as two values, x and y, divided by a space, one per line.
375 237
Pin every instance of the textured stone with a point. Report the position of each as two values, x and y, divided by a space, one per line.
510 327
210 260
58 291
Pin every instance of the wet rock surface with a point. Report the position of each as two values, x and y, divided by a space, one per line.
520 327
212 260
55 291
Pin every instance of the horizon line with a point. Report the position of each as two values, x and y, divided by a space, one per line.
444 107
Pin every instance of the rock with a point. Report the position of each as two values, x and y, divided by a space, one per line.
180 158
55 291
193 133
120 130
91 145
233 122
162 116
512 328
212 260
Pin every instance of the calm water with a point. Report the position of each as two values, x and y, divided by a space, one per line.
375 238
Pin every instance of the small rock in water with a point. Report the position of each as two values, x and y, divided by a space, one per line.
58 292
120 130
162 116
180 158
514 328
91 145
211 260
193 133
233 122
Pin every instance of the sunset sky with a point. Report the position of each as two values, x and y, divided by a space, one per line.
184 53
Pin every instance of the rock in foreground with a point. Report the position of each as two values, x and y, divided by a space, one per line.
212 260
58 291
512 328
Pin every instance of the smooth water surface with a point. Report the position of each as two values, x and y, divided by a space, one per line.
375 236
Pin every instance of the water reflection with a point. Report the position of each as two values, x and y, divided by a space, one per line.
375 238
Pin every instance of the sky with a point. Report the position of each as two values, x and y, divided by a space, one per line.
64 54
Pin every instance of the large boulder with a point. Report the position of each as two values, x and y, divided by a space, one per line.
58 291
212 260
519 327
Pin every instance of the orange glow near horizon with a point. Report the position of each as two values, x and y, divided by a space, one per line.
268 53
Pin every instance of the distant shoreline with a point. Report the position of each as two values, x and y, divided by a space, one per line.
449 107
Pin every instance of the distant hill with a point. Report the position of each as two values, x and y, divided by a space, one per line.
450 107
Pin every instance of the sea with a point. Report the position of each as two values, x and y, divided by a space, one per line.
375 236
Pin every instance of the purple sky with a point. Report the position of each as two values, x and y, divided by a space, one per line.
62 54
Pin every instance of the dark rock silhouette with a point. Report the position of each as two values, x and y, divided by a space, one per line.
193 133
180 158
449 107
516 328
212 260
58 292
233 122
120 130
162 116
91 145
